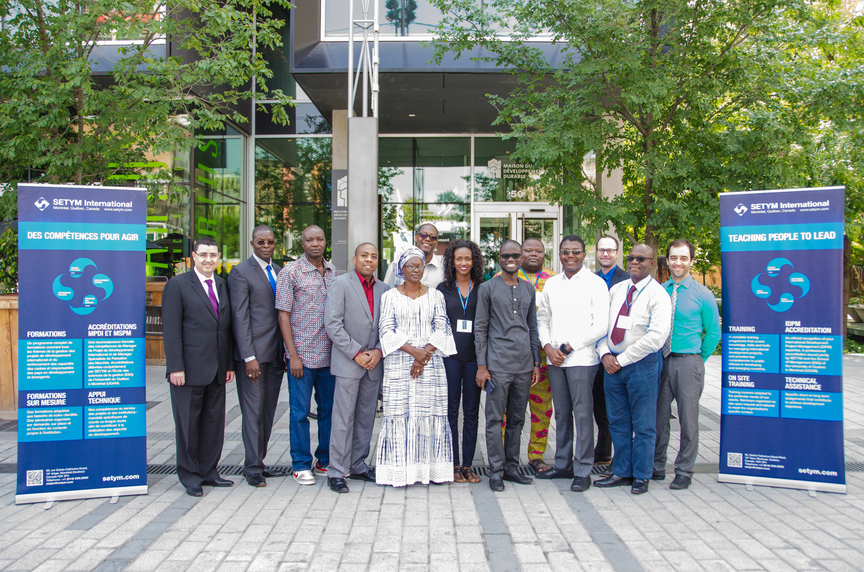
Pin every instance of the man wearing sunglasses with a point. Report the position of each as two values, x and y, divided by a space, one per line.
572 315
258 350
612 274
508 361
426 239
640 316
695 333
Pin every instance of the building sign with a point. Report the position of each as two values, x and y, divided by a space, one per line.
81 381
339 229
510 181
782 397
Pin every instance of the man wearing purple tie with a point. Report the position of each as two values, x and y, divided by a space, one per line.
640 317
199 346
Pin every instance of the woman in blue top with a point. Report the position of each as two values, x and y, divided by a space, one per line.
463 273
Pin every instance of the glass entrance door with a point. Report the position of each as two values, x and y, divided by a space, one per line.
493 223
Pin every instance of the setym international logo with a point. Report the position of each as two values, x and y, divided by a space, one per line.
42 204
740 209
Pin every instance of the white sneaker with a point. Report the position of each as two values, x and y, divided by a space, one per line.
304 477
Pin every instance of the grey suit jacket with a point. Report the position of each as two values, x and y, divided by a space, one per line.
255 319
351 326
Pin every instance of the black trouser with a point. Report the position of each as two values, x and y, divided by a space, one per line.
199 417
462 384
603 447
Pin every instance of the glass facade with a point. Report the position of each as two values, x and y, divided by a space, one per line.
423 179
293 189
397 18
499 178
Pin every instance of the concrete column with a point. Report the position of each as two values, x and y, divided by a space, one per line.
340 138
339 197
611 184
363 223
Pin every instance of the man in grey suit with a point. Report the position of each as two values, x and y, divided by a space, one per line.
258 350
351 316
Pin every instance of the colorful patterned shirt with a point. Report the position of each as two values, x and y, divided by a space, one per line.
301 290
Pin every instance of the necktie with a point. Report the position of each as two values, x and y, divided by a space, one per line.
213 299
618 333
667 347
272 280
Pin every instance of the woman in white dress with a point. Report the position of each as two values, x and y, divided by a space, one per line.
415 444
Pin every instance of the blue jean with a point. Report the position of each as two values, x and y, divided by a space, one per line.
631 403
462 383
299 405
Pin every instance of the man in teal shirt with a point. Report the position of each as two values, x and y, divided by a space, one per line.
695 333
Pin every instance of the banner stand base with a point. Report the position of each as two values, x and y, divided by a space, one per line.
782 483
81 494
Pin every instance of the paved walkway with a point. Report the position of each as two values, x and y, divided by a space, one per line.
544 526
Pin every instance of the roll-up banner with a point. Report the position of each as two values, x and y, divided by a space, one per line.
782 401
82 414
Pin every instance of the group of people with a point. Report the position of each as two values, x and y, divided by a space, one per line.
610 347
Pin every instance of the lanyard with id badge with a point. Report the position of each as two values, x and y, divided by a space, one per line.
464 326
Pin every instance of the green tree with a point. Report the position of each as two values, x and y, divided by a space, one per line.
62 121
401 13
690 97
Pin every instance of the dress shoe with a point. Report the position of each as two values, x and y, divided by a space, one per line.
555 474
515 477
256 480
640 486
658 476
219 482
273 473
368 476
614 481
580 484
680 482
337 485
194 491
495 482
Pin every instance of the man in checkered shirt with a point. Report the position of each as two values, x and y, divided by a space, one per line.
301 291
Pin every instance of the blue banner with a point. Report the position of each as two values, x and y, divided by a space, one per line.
782 398
82 413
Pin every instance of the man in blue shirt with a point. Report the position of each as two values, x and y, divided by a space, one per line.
694 313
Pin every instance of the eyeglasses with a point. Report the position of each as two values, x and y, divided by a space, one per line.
509 256
640 259
424 236
607 250
206 255
412 267
569 251
267 242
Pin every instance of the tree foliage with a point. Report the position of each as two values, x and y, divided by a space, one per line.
690 98
88 87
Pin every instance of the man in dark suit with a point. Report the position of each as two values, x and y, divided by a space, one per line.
612 274
258 350
351 317
196 319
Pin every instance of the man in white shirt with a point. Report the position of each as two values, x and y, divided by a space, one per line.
572 315
640 318
426 239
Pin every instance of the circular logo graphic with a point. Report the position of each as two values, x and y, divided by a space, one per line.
76 272
772 275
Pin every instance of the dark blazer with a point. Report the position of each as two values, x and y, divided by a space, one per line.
195 341
255 320
351 326
618 275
